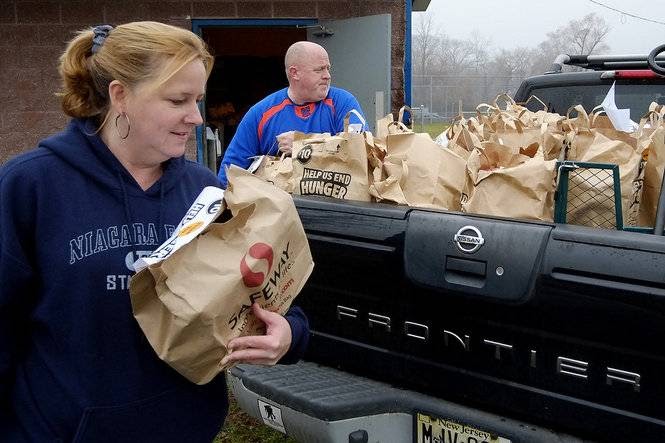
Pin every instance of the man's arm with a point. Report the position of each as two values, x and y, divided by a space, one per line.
345 103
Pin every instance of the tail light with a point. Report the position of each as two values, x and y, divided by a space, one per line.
636 73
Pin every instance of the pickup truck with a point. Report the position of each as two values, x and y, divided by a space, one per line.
438 326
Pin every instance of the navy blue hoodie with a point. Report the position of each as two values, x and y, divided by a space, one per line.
74 364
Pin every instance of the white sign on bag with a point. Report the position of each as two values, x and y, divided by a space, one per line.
203 211
255 163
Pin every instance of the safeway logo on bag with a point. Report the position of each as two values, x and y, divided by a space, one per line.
266 286
261 252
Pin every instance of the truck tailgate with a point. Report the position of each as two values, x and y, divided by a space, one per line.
556 325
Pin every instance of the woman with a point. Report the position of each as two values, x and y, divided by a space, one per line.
76 213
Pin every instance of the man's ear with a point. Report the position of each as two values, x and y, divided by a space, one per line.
118 94
294 73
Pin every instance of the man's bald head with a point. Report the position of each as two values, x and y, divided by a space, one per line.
308 72
300 52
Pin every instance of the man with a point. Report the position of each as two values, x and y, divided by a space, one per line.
308 105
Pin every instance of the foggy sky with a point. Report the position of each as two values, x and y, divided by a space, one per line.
513 23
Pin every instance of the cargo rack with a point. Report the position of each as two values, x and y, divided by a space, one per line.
604 62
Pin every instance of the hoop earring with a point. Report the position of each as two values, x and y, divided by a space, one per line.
117 130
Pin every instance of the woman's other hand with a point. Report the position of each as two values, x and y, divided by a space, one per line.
261 349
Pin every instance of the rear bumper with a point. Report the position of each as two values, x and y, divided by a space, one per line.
314 403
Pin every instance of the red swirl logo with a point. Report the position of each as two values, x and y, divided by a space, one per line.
260 252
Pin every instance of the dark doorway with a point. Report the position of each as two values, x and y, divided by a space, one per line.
249 64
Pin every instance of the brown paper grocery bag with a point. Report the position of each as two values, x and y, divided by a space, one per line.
528 117
191 301
590 140
276 170
653 142
388 178
376 152
606 150
419 172
384 125
451 181
460 137
332 166
550 139
518 127
511 183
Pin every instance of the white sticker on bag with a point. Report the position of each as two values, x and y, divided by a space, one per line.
203 211
255 163
356 128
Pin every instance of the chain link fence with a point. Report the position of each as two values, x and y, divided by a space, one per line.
442 97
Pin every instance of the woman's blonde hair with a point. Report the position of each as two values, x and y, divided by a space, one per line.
146 53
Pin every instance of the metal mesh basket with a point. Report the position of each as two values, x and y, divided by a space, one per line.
588 194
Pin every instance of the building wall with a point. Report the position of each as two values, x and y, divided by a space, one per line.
33 34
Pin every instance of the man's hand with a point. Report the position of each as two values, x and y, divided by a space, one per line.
261 349
285 142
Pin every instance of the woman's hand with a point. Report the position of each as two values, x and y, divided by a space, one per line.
261 349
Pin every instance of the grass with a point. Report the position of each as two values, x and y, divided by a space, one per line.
242 428
433 129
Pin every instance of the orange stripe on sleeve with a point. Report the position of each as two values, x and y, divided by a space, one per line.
269 113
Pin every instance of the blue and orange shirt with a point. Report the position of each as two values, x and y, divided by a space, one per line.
258 130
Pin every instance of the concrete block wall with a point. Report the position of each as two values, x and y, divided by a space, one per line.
33 34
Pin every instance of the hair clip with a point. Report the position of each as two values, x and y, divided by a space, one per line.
101 32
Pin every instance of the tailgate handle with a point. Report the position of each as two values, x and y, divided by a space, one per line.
465 272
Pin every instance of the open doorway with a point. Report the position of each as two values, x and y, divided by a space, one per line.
249 64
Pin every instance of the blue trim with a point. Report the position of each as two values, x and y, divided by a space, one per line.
197 24
407 54
200 139
197 28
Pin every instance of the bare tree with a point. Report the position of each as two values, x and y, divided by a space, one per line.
480 49
454 56
514 62
448 71
425 42
510 67
589 34
584 36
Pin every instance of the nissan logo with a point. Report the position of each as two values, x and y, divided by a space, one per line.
469 239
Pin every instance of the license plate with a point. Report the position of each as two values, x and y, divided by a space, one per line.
439 430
